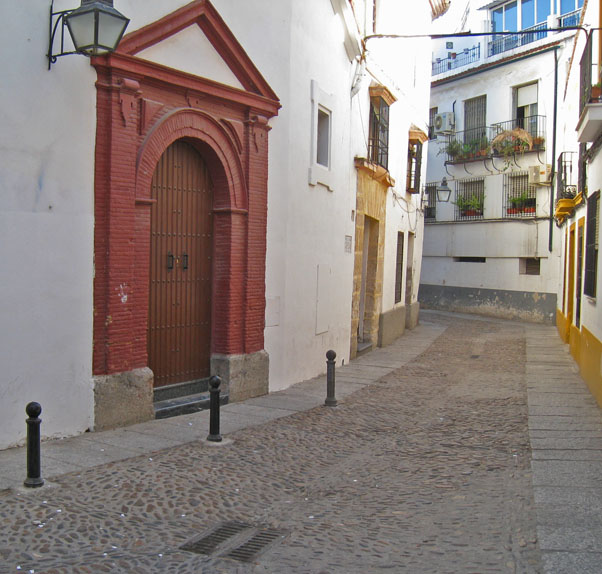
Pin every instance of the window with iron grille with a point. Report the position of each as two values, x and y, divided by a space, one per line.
414 166
430 192
432 113
378 144
470 197
399 267
591 246
475 119
519 197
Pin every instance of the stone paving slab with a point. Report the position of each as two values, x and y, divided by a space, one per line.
572 562
577 473
538 398
576 412
135 441
559 422
573 454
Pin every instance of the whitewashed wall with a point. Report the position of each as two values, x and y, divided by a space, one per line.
46 228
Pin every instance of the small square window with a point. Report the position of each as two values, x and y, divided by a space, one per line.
529 266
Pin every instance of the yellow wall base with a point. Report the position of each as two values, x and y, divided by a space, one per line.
586 349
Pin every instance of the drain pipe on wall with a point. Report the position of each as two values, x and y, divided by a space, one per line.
554 128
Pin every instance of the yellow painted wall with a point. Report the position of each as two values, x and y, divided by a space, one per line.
371 202
586 349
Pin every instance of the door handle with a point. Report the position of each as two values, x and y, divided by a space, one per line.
170 260
184 261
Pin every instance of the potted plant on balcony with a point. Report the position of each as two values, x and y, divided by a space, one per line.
453 149
538 142
482 147
521 204
470 206
596 92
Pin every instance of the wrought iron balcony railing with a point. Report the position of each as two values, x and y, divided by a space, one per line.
457 60
590 80
503 139
567 173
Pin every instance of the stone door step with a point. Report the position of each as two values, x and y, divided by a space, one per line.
185 405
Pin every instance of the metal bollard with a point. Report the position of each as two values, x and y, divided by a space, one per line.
34 467
214 391
330 400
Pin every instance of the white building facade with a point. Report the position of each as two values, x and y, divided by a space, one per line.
293 145
496 105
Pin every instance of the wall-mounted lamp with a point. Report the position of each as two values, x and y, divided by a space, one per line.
443 191
95 28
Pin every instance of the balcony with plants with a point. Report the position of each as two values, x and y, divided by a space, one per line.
503 140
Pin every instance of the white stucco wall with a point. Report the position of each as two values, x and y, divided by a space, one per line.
46 228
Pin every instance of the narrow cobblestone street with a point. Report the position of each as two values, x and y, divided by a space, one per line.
426 470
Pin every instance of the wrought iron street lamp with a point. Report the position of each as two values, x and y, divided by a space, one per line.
95 28
443 191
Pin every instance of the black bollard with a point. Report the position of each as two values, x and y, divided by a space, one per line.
330 400
214 391
34 466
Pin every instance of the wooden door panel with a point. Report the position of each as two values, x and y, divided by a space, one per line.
181 238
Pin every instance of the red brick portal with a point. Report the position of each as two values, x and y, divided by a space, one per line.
142 108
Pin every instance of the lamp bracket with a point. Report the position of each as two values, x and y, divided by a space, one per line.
57 21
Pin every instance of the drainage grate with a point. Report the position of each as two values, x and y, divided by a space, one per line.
256 545
207 544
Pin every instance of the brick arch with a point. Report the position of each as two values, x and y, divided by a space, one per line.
211 139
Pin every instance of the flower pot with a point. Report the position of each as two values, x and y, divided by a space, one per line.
596 92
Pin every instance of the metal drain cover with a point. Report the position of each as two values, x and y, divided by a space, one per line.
236 540
257 545
208 543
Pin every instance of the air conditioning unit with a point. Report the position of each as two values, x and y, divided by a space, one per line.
540 174
444 123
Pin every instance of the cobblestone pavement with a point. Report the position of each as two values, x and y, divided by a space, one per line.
426 470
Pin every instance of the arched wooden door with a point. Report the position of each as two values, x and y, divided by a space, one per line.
179 321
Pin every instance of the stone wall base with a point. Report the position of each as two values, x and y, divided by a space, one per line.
243 376
412 312
123 399
392 324
535 307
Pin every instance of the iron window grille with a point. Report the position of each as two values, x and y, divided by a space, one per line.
592 244
378 143
520 197
430 195
470 197
566 178
475 119
414 166
432 113
399 267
